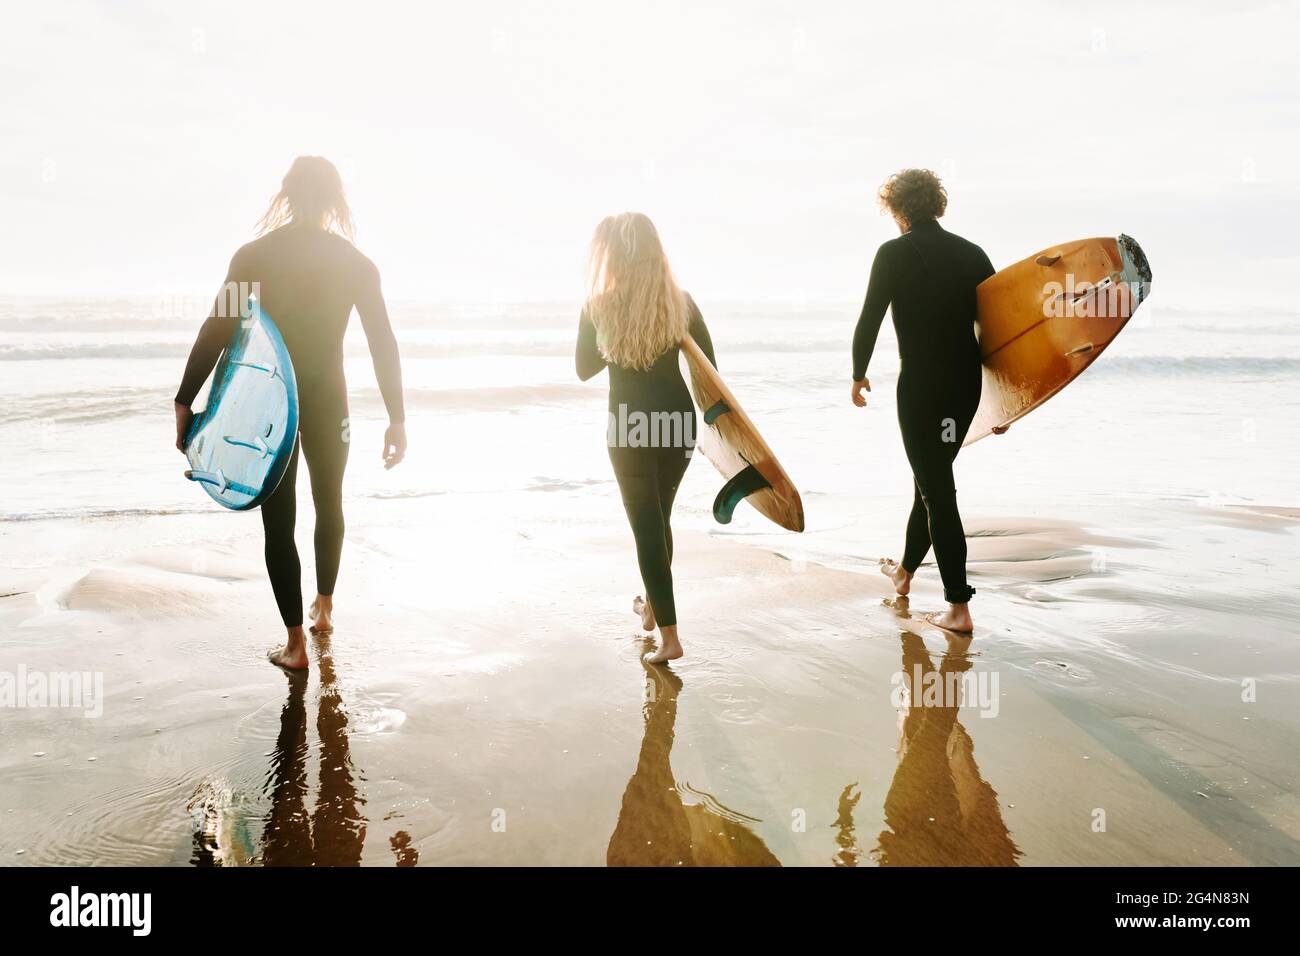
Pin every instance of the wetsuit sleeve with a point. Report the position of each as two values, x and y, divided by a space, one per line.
383 343
700 332
215 333
586 357
985 267
879 293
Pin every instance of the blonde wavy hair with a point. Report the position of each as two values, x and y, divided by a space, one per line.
633 300
311 193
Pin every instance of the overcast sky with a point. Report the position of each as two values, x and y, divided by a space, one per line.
481 142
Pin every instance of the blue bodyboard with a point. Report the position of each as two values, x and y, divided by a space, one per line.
239 446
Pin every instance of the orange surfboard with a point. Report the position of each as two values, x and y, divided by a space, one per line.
1044 320
738 451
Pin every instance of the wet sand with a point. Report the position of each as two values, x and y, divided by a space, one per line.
482 700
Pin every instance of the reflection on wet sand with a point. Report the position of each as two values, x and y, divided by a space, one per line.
845 833
939 811
655 828
335 832
286 838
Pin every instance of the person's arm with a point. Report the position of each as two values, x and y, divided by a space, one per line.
587 359
384 356
700 332
879 294
984 269
214 335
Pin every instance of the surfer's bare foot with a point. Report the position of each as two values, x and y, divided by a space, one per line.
322 613
293 656
901 577
670 648
642 607
956 619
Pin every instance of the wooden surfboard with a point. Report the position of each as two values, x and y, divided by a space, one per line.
738 451
1044 320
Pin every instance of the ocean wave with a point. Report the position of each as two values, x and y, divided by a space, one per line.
115 403
189 324
85 406
55 351
1164 365
534 348
1252 311
1231 326
83 514
493 398
186 312
105 325
404 495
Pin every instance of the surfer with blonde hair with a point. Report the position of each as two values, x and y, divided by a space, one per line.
926 277
633 323
308 276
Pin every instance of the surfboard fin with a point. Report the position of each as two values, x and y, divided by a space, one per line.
740 486
715 411
223 483
258 444
217 478
271 370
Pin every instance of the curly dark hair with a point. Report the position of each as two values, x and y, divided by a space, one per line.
914 195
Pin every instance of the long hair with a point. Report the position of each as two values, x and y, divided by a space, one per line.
633 300
311 193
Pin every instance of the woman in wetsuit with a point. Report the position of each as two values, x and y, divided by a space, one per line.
307 276
633 322
927 278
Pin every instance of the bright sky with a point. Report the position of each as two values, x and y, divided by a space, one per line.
481 142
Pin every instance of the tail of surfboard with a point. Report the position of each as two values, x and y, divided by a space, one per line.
739 452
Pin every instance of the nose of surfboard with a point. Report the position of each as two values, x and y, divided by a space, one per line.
1136 269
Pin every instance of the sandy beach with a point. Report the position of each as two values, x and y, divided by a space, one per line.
1129 696
498 713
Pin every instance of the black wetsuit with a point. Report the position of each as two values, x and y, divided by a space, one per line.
648 474
928 276
308 280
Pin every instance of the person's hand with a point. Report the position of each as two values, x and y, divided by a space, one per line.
184 418
394 445
859 399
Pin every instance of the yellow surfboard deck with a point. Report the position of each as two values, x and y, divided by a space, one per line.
738 451
1044 320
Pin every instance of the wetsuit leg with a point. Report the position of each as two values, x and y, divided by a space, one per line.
917 544
672 466
325 446
279 513
934 427
638 471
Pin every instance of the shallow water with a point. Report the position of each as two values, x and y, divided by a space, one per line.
482 700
